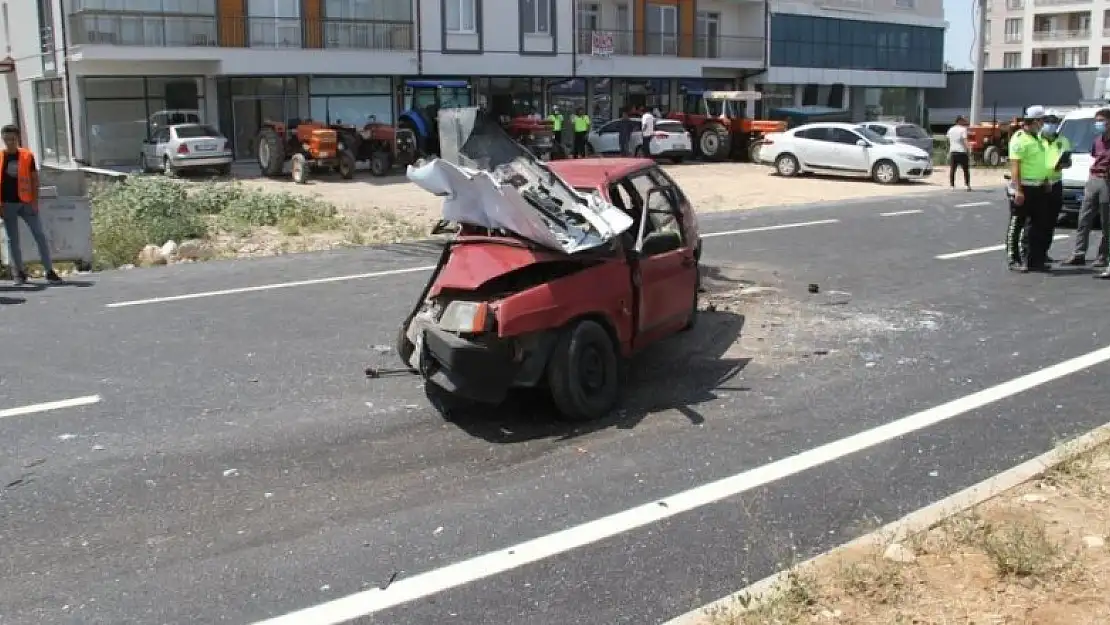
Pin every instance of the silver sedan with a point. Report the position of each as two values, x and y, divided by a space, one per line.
171 149
904 133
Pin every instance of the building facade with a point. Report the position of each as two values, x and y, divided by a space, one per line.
1047 33
89 81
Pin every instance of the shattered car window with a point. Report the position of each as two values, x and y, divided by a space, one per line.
490 181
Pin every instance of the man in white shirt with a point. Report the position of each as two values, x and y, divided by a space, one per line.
647 128
958 152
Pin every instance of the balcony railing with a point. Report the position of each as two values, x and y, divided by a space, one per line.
294 32
1060 35
153 30
631 43
1053 3
1013 37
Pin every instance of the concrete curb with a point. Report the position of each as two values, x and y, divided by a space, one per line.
912 523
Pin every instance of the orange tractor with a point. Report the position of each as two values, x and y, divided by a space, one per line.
307 145
721 124
988 140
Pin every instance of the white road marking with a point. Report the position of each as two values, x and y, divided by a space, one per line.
912 211
270 287
984 250
800 224
970 204
432 582
394 272
48 406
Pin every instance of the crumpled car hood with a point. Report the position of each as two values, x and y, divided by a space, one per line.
490 181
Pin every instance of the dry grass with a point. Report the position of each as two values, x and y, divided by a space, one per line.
1033 555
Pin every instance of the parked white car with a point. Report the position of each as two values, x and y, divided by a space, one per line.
844 150
171 149
670 140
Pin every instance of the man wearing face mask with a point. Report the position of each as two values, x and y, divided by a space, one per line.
1029 209
1096 196
1058 153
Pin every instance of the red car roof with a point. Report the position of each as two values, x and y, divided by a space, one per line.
592 172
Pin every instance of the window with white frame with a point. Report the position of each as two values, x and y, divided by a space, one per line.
662 29
1012 28
274 23
1015 5
461 17
536 17
707 32
1011 60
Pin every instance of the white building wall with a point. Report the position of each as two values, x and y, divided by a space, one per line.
1000 10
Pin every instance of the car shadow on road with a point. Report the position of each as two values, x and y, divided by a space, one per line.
678 374
9 301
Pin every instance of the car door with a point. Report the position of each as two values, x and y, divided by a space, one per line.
665 276
813 147
848 155
608 138
160 140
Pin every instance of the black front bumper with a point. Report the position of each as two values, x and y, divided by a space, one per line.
480 371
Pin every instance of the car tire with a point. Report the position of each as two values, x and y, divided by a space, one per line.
584 373
885 172
787 165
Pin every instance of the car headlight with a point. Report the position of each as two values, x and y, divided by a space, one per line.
910 157
466 317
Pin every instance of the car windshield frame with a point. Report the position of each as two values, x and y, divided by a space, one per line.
203 131
1080 133
872 136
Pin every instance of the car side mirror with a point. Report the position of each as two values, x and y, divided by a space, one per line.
863 144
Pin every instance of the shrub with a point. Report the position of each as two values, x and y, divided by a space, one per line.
144 210
139 211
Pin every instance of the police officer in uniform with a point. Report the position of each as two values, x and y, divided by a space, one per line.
1030 173
1058 152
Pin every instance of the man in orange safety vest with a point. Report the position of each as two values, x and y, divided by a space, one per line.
19 199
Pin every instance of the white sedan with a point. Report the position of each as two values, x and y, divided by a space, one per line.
844 150
670 140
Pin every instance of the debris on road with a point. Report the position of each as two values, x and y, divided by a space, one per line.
231 472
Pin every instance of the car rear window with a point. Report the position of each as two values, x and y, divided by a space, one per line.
196 132
670 126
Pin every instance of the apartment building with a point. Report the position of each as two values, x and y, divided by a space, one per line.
876 57
1047 33
87 77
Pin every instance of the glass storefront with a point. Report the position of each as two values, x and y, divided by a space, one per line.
893 104
826 42
351 99
244 103
53 131
512 96
120 112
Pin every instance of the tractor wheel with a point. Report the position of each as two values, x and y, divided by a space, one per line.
714 143
270 151
380 163
992 156
346 165
300 169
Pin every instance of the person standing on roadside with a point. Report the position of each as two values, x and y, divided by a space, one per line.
19 199
647 129
959 156
556 119
1058 153
1096 197
1030 172
581 123
624 134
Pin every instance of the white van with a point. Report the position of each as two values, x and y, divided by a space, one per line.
1078 126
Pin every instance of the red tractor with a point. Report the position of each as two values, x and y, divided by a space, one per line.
720 123
537 135
309 146
382 145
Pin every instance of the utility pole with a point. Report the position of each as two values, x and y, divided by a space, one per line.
980 50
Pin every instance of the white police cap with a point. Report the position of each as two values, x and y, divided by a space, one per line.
1034 112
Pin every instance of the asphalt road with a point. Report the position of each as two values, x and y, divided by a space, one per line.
222 459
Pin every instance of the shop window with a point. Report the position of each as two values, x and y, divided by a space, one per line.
352 85
53 130
351 100
121 112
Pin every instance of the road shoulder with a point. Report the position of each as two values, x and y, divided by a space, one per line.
1029 541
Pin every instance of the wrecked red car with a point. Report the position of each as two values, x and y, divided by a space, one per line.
557 272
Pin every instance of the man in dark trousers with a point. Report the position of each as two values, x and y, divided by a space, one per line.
581 123
1096 197
1030 173
625 133
19 199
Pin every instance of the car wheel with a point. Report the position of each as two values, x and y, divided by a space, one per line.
167 167
787 165
885 172
583 374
